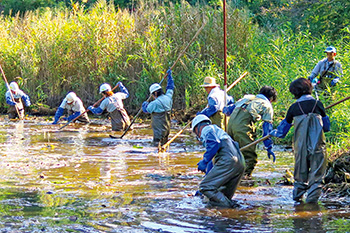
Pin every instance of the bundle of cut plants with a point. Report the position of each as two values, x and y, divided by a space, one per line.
337 179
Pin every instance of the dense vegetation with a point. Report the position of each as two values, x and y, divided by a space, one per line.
76 48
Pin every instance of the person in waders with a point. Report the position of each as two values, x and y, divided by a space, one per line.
160 110
310 123
216 102
18 98
113 103
328 69
74 107
221 180
241 126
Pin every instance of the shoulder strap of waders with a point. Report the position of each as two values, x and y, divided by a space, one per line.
326 71
312 111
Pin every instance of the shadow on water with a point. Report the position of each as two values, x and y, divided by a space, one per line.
81 180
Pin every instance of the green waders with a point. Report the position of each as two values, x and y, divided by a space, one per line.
218 119
309 155
13 112
242 129
83 118
161 127
221 182
119 119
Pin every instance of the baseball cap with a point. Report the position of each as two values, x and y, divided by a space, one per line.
330 49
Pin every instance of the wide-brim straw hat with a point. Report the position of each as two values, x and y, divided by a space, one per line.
209 82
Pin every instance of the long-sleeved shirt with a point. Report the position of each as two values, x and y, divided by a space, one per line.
211 137
19 94
323 65
216 102
113 102
163 103
76 106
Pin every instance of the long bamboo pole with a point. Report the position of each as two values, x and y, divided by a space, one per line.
225 61
12 98
178 58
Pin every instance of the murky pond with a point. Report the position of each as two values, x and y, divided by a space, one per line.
78 179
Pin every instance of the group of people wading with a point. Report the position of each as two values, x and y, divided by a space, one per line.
223 163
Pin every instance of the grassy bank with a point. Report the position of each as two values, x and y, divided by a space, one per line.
59 50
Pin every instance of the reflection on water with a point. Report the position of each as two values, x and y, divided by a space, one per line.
80 179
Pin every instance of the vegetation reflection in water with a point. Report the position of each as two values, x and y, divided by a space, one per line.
79 179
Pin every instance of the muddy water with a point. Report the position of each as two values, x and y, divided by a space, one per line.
81 180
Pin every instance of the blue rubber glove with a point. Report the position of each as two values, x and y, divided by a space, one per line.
123 89
282 129
96 111
314 82
202 166
270 153
334 82
73 116
144 107
169 72
326 124
58 114
170 84
10 102
228 109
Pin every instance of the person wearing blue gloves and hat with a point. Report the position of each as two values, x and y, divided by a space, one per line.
216 102
160 109
328 69
113 104
74 106
221 179
18 98
310 123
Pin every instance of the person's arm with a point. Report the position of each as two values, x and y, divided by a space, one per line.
338 72
170 83
144 107
228 109
285 124
211 109
26 99
58 114
325 119
315 71
96 111
9 99
123 89
282 129
212 145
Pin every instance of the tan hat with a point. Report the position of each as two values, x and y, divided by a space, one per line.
209 82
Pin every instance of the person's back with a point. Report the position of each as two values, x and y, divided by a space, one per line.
310 123
241 126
